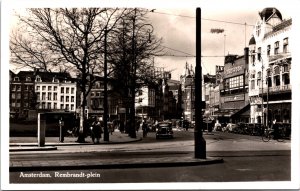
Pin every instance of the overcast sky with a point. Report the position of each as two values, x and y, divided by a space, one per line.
179 32
174 22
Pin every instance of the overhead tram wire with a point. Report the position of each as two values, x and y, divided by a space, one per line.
191 17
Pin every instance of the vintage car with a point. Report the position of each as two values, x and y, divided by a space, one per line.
164 130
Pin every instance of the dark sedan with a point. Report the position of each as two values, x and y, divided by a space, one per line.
164 130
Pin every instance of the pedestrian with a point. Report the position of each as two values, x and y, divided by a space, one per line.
121 126
97 130
145 129
275 130
92 130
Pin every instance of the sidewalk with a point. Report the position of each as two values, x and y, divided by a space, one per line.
25 143
107 159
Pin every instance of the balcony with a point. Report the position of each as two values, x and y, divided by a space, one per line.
276 89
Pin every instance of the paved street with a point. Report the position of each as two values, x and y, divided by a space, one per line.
245 158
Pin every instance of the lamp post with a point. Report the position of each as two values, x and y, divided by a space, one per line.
132 131
200 143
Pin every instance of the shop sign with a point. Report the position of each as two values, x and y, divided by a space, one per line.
234 70
234 98
122 110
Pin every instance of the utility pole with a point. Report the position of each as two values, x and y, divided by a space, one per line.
105 104
200 143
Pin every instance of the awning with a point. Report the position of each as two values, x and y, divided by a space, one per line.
245 111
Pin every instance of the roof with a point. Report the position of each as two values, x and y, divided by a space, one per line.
252 41
268 12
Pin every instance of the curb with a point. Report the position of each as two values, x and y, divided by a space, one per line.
122 165
20 146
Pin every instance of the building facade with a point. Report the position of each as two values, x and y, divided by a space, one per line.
234 100
36 91
270 68
187 80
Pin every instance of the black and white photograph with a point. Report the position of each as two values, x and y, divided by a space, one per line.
149 95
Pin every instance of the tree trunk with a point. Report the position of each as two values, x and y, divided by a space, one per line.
81 135
132 130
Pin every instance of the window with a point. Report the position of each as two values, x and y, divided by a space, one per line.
259 54
252 86
268 50
38 95
67 107
140 92
97 85
55 96
55 88
43 88
72 107
13 95
285 45
28 79
72 98
49 88
55 106
277 76
43 105
26 88
43 96
38 79
37 88
49 105
258 30
276 47
18 95
286 79
259 79
62 98
18 88
67 90
13 87
49 96
285 68
253 59
16 79
72 90
67 99
62 90
61 106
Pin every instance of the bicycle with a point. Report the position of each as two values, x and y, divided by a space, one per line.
268 134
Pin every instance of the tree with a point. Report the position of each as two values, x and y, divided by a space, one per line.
131 55
65 40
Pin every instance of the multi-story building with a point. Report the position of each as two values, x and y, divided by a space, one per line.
55 91
234 100
33 91
269 68
211 92
22 96
95 101
187 80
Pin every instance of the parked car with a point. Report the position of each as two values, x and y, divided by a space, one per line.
164 130
230 127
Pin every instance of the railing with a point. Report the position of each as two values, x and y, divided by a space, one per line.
276 89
